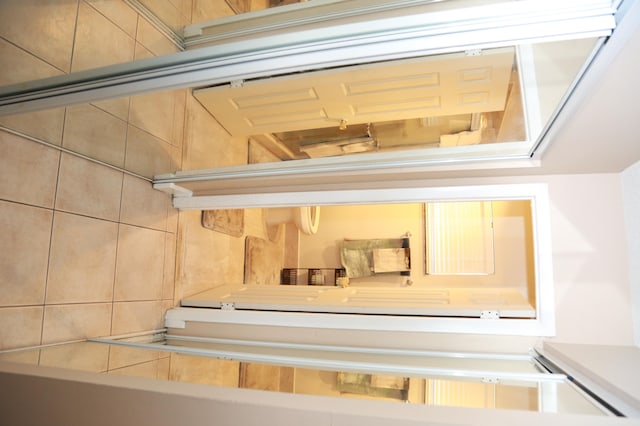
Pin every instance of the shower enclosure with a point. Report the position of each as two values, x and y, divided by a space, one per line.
527 382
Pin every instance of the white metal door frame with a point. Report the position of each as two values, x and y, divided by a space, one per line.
392 32
542 325
360 33
465 365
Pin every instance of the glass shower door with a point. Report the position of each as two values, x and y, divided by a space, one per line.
490 381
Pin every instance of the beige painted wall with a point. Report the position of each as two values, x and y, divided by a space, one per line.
591 278
512 243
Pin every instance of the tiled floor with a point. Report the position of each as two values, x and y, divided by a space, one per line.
87 249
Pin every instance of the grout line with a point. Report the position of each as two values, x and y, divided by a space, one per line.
30 53
46 276
109 354
143 12
53 217
41 334
88 216
103 302
69 304
109 19
45 346
115 278
76 154
64 150
134 364
75 33
164 266
22 203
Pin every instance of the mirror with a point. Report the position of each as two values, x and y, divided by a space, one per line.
512 230
533 82
452 101
525 265
171 363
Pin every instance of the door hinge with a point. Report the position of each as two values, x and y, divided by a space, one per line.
228 306
237 84
489 315
473 52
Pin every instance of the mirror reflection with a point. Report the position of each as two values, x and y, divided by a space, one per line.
449 100
363 259
458 101
344 241
159 364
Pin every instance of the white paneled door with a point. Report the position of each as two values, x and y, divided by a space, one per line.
441 85
494 302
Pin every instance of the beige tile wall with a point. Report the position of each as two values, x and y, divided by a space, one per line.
87 250
99 358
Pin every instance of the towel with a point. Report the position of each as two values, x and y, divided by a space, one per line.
390 260
357 255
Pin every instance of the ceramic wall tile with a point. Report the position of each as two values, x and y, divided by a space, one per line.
169 279
146 154
140 264
95 133
169 13
85 356
260 4
142 52
31 357
164 364
99 42
90 259
172 219
176 158
21 327
210 371
63 323
16 66
82 260
156 113
24 245
204 10
131 317
205 256
28 171
88 188
148 370
44 125
122 356
19 65
180 102
142 205
118 12
204 136
44 27
118 107
184 7
153 39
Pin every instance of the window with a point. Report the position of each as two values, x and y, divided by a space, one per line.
459 238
